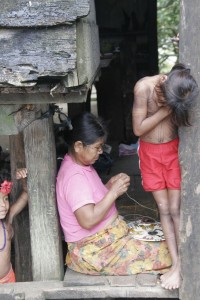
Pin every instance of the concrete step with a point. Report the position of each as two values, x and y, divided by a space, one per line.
80 286
133 286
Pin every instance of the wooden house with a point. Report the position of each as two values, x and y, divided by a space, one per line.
50 53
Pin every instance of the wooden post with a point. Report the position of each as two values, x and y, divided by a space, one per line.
23 269
190 158
39 144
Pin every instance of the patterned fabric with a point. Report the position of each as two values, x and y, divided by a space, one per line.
113 251
10 277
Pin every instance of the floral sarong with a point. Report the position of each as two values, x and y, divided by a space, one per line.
113 251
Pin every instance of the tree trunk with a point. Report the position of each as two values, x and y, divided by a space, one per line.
190 158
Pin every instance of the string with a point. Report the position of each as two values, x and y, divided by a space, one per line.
4 236
140 204
126 217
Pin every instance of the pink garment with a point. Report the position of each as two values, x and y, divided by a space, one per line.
77 186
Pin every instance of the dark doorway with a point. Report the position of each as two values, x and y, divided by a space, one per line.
128 46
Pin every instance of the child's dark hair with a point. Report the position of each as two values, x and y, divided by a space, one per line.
5 173
87 128
180 89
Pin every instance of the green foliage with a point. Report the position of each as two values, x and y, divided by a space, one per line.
168 26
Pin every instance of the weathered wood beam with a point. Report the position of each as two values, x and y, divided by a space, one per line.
66 55
46 247
77 97
22 13
27 54
190 158
88 48
51 88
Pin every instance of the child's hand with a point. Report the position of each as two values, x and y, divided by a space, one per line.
21 173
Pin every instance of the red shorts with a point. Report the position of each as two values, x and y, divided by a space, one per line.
10 277
159 165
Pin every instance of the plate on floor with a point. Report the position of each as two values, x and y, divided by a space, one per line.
151 232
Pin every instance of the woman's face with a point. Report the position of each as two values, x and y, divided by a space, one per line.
88 154
4 205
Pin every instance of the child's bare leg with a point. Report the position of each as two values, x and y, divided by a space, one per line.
169 210
174 197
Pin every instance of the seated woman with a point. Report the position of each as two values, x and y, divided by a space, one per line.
98 239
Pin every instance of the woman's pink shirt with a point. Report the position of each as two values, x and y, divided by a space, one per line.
77 186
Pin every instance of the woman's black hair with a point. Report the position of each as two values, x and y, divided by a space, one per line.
86 128
180 89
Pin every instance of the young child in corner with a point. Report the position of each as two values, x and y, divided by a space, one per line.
6 217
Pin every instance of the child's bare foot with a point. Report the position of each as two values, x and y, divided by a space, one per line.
164 276
172 279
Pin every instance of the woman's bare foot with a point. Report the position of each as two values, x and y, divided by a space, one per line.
172 279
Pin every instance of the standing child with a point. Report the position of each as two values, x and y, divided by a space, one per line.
6 217
161 104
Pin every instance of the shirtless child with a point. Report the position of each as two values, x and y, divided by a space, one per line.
161 104
6 217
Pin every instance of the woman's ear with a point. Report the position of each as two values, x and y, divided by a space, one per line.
78 146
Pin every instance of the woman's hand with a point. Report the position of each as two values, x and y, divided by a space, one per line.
119 184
